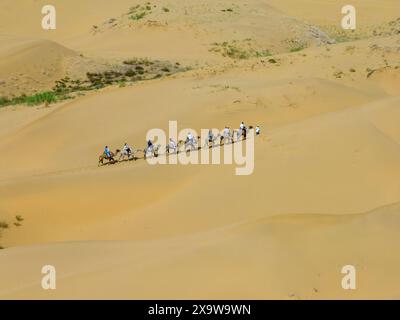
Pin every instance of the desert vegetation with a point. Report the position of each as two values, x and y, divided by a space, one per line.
363 32
244 49
5 226
128 71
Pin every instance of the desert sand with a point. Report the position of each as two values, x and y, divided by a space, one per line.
325 191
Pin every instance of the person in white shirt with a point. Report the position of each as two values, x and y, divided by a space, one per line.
172 143
257 130
210 136
227 132
127 149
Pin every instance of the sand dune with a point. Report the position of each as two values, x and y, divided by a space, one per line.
22 68
325 189
237 258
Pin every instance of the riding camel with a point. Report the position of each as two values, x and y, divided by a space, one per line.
130 155
175 147
110 159
153 150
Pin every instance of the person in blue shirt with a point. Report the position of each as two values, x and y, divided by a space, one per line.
107 152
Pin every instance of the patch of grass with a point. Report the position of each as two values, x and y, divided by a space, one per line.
138 61
129 70
341 35
295 45
243 49
165 9
32 100
4 101
230 50
40 98
138 12
138 16
263 53
297 49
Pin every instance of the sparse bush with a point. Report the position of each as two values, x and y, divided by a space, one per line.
243 49
338 74
130 73
4 225
263 53
297 49
138 16
4 101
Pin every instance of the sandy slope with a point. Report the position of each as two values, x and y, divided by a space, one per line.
242 260
370 12
23 69
325 191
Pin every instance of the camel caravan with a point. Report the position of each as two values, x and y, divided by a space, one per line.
191 143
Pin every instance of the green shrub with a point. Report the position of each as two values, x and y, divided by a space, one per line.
40 98
130 73
138 16
297 49
4 101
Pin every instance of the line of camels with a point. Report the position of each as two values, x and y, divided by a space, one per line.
211 141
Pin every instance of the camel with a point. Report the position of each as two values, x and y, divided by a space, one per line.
153 149
242 133
175 147
211 141
226 136
129 155
192 144
111 159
